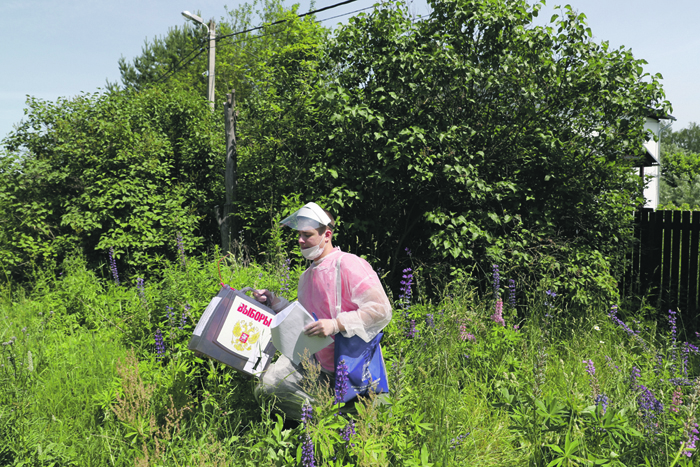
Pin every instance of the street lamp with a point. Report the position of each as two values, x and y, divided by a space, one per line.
211 29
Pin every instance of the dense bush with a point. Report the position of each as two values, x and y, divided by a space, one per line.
123 170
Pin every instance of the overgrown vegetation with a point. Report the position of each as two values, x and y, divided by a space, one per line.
503 379
446 145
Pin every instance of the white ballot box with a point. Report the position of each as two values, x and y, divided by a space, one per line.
235 330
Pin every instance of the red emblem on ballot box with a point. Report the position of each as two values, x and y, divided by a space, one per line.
244 338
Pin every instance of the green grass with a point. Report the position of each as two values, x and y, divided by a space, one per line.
506 397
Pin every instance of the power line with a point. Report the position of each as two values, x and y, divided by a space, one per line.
168 74
285 20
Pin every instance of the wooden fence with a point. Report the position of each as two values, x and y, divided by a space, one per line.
663 265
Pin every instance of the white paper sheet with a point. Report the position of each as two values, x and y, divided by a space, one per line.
288 333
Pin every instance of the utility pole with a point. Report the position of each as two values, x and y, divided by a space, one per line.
212 59
211 29
226 221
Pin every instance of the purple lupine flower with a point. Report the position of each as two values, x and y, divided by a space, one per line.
497 316
405 289
307 413
549 300
412 331
659 364
592 380
611 365
691 432
341 382
496 282
183 321
169 313
511 293
141 288
676 400
634 375
181 248
674 332
284 287
430 320
348 431
113 266
602 402
160 346
618 322
456 442
307 449
650 407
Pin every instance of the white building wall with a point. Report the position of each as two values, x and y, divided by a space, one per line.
651 191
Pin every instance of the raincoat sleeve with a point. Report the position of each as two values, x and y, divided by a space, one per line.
365 307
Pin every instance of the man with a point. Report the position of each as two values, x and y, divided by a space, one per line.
364 309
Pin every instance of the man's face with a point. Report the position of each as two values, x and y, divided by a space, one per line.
309 238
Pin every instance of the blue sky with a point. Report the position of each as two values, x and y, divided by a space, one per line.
53 48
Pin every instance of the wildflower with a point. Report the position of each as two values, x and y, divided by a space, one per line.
674 332
596 327
497 317
160 347
602 402
691 432
181 248
634 375
676 400
549 300
430 320
183 321
618 322
515 327
408 252
141 288
456 442
405 289
24 330
590 367
284 287
650 407
592 380
341 382
348 431
113 266
511 293
496 282
169 313
307 449
412 331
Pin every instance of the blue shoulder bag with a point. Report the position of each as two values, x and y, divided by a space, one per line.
366 370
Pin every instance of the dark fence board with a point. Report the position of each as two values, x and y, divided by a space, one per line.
664 264
693 263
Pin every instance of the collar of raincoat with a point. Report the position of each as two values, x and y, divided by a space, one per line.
322 263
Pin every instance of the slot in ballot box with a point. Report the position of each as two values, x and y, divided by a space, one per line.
235 330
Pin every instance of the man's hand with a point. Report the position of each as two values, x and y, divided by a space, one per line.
265 297
321 328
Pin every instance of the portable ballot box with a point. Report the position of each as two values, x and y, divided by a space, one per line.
235 330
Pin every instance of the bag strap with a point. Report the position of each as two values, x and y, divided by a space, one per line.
338 287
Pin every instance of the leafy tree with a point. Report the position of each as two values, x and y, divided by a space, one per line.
686 138
241 59
680 166
123 170
473 137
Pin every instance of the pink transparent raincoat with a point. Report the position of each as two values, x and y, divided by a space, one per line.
365 308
